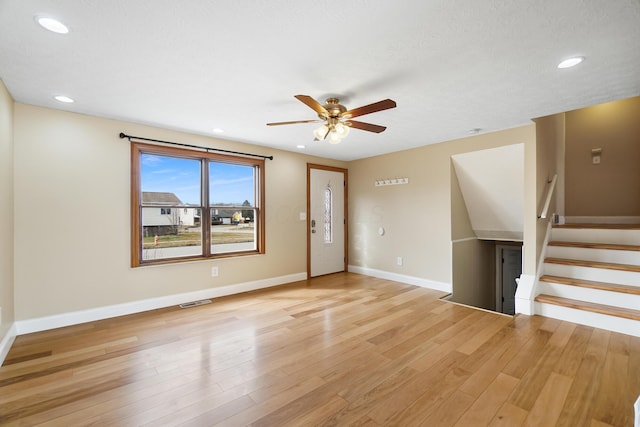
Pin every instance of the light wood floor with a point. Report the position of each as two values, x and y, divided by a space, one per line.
340 350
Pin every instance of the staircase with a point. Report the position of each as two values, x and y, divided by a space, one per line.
592 276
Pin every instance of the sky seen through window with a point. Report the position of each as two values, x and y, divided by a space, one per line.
229 183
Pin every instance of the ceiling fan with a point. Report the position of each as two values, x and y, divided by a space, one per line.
337 119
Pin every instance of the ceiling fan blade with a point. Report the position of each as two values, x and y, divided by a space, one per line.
313 104
371 108
294 122
365 126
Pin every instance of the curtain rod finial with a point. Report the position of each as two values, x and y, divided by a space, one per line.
122 135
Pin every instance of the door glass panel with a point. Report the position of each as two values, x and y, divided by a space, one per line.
328 215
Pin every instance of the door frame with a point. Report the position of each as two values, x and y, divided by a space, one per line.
500 246
345 173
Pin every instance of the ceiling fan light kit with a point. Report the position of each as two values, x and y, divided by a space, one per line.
336 119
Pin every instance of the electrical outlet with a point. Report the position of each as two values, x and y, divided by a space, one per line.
399 260
214 271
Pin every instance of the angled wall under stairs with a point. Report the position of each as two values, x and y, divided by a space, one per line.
591 276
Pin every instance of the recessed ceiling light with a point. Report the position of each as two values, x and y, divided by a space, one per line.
218 130
52 24
300 146
571 62
65 99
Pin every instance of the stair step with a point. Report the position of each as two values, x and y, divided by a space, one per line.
589 306
610 246
602 226
612 287
629 235
594 264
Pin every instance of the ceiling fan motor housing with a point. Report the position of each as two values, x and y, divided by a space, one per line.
334 108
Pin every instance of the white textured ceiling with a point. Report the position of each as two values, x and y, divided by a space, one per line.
196 65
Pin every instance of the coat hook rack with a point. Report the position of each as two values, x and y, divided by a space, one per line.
391 181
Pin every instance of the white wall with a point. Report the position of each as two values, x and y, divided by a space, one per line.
72 236
492 183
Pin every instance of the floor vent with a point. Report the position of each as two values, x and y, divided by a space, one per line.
195 303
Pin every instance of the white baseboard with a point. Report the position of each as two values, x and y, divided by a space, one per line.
6 342
99 313
602 219
411 280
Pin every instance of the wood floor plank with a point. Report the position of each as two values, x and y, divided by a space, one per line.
499 355
487 404
377 397
549 402
318 414
579 405
528 353
571 357
441 381
509 415
608 408
447 412
536 378
343 349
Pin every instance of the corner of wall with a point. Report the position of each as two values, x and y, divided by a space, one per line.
6 342
7 284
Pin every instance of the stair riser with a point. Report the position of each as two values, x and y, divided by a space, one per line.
594 274
585 235
589 254
596 296
596 320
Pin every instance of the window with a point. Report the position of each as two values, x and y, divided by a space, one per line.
188 205
328 216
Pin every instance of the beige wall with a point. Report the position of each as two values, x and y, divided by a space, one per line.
460 222
6 211
417 217
71 173
472 280
72 217
474 273
549 143
611 188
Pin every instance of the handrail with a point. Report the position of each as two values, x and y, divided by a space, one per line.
547 202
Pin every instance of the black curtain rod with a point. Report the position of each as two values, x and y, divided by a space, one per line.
129 137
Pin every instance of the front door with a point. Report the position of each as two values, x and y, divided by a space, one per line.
326 220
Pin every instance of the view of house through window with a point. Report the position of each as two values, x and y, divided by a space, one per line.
189 204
